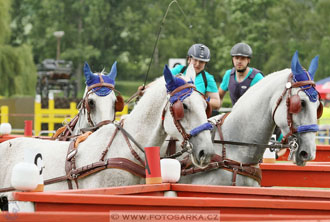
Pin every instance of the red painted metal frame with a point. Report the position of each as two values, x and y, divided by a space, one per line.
314 174
322 154
228 200
56 216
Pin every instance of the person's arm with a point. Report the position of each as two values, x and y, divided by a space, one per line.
222 94
214 100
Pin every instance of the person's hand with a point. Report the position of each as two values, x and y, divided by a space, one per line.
141 90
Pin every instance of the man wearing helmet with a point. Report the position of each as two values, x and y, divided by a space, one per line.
238 79
199 55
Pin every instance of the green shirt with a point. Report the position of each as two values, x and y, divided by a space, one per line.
199 81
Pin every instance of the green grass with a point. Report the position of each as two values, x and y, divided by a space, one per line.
128 88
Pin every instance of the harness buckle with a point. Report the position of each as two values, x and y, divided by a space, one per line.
293 146
74 176
188 147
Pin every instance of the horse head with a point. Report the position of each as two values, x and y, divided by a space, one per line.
186 117
100 102
302 109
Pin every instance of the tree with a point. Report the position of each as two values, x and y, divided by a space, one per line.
17 70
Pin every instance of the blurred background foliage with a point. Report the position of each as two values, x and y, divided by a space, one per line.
104 31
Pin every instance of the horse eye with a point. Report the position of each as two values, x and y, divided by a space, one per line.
303 103
185 106
91 103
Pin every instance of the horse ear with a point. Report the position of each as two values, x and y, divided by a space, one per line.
296 68
313 66
88 73
169 78
113 73
190 74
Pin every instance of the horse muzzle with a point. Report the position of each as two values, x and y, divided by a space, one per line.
298 154
201 159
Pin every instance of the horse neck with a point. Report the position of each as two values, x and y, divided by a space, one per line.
145 121
251 119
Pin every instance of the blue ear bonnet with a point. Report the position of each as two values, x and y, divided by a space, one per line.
91 79
300 74
173 82
101 91
187 92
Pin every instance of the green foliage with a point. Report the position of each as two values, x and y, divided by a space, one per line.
17 69
128 88
4 21
18 72
105 31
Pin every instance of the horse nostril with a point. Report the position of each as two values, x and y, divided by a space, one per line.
303 155
201 155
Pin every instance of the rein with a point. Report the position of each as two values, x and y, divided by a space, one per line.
273 145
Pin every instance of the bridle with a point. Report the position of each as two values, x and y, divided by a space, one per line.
119 104
177 112
293 104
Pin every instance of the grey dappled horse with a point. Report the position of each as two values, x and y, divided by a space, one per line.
289 101
155 116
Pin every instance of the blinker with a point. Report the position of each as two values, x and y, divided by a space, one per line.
320 110
177 109
119 104
295 104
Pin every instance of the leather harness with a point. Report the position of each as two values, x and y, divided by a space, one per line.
250 169
221 162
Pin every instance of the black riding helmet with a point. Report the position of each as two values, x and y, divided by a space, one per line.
200 52
241 49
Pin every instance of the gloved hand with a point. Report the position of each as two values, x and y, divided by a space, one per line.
141 90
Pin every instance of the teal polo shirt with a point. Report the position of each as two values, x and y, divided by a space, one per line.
199 81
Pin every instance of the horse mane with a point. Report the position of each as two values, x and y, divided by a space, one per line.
155 89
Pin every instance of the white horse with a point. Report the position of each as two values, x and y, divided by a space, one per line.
98 106
289 101
157 114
